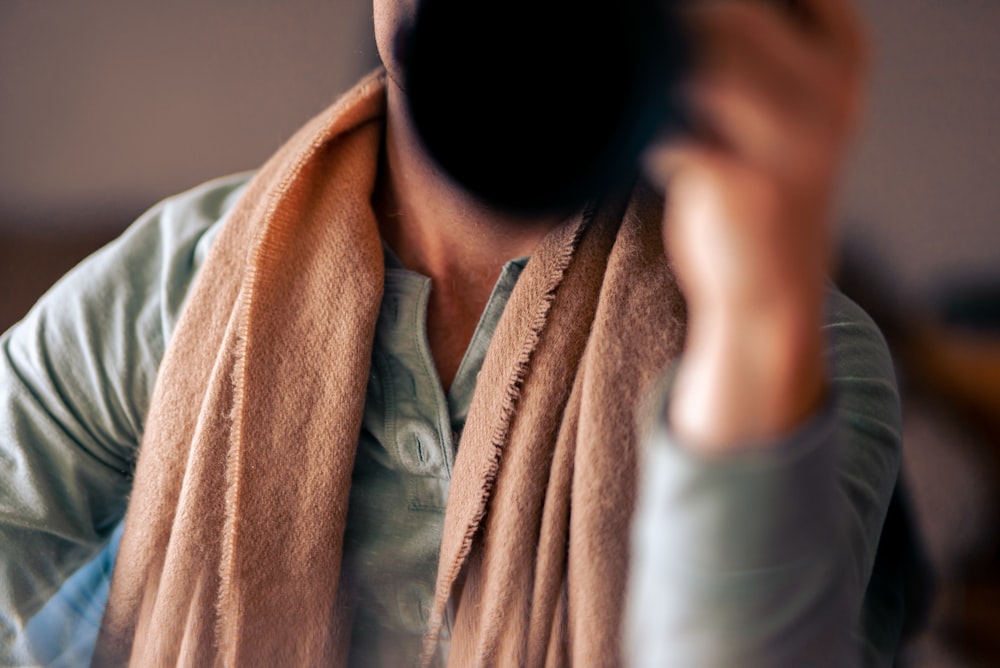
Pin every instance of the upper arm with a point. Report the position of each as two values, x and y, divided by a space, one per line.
76 375
863 379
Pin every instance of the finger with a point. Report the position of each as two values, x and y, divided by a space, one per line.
752 41
684 166
842 27
839 23
724 218
827 27
763 87
745 123
669 156
756 35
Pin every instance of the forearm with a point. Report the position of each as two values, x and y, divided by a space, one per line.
748 376
739 556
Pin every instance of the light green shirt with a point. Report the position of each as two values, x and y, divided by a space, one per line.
77 373
403 468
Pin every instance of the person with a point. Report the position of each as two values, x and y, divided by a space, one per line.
382 422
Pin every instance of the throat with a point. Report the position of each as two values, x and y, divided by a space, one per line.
451 323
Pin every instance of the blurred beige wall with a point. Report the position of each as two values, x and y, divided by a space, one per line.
925 185
108 105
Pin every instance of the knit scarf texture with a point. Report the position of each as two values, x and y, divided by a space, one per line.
231 554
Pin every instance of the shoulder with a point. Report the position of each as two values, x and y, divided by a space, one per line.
862 367
95 339
203 205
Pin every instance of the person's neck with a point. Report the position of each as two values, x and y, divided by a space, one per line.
432 224
441 231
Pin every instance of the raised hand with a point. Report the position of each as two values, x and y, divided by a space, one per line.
776 92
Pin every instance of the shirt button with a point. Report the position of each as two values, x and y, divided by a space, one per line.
420 448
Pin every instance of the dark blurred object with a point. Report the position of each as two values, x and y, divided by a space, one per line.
31 261
971 305
538 105
952 361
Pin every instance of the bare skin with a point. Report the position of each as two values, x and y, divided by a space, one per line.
749 224
434 226
437 229
747 229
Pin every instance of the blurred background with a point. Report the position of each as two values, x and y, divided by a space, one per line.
108 106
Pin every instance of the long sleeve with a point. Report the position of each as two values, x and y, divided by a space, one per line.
762 559
76 375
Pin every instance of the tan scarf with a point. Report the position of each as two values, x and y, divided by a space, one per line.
232 546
